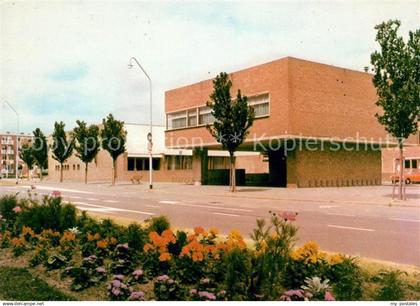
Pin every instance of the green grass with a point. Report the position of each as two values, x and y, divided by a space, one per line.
17 284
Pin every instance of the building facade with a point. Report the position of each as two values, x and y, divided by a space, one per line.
315 123
169 165
9 151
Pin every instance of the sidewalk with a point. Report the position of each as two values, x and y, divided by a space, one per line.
369 195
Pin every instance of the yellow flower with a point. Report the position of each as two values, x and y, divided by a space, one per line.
335 259
214 231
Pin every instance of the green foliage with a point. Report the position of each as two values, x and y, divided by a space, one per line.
87 143
392 287
346 279
40 149
7 204
237 277
26 155
397 79
61 147
113 136
158 224
89 273
167 289
273 244
122 260
55 261
51 214
135 236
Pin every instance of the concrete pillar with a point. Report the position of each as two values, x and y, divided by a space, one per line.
199 166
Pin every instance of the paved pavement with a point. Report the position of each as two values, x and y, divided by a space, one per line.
354 220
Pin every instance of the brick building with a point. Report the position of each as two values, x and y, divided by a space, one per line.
314 123
168 165
9 143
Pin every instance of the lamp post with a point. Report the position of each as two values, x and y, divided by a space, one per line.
149 135
17 141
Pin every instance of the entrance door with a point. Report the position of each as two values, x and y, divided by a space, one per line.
277 168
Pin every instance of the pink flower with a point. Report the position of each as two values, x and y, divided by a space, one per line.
193 291
17 209
163 278
136 296
328 296
288 215
56 194
207 295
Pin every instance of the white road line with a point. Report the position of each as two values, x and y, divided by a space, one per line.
229 215
168 202
342 215
58 189
110 201
352 228
402 219
328 206
94 209
204 206
116 209
92 199
74 197
153 206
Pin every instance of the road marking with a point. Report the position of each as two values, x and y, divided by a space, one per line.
352 228
204 206
74 197
153 206
402 219
110 201
168 202
58 189
229 215
92 199
94 209
328 206
343 215
116 209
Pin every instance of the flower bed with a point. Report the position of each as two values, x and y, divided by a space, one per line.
153 262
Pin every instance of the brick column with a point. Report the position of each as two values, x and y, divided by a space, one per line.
199 166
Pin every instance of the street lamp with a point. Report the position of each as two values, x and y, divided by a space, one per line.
149 135
17 141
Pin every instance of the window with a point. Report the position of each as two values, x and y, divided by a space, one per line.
205 116
177 120
142 163
407 164
414 163
78 166
74 167
192 117
178 162
260 104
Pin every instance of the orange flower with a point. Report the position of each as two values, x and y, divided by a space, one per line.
102 244
27 231
197 256
90 237
165 256
199 230
147 247
113 241
18 242
214 231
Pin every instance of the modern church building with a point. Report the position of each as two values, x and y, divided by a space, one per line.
315 124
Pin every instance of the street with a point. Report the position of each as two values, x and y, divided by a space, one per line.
345 223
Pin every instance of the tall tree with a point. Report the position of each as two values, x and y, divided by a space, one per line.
26 155
87 143
40 150
233 119
113 140
397 80
62 148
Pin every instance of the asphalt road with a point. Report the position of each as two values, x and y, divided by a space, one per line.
373 231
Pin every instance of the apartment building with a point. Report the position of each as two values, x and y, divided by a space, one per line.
9 143
315 123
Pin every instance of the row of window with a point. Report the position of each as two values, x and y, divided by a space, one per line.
67 167
142 164
202 115
177 162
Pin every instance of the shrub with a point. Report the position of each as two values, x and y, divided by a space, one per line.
123 262
273 244
237 277
9 210
135 236
158 224
392 287
51 214
167 289
118 290
346 279
89 273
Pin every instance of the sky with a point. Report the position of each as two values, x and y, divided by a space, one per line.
67 60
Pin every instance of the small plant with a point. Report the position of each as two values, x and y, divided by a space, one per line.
392 287
158 224
122 260
318 289
167 289
118 290
89 273
238 272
